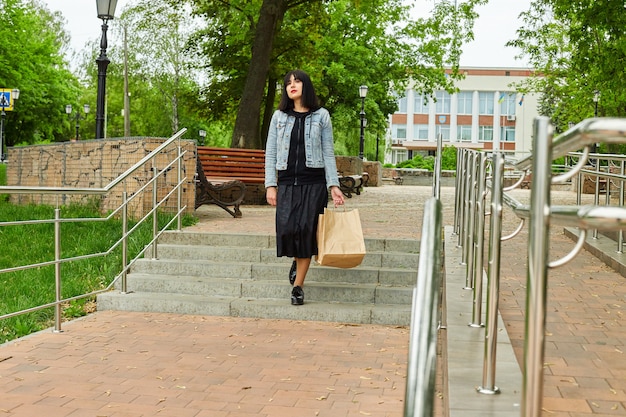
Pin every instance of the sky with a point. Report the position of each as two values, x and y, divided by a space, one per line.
496 25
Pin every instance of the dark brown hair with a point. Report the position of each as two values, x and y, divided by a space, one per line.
309 98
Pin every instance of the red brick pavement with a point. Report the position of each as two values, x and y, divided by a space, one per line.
585 360
118 364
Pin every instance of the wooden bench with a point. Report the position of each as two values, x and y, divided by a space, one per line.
349 184
225 174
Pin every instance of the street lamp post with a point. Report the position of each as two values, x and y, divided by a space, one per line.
106 12
202 134
596 98
377 145
362 94
68 110
6 105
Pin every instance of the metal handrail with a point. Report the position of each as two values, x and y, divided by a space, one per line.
122 209
541 215
586 133
421 367
427 314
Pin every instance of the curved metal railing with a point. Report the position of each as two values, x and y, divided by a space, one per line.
475 176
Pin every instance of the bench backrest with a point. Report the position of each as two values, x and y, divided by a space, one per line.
246 165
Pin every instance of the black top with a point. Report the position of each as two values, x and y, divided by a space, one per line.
297 172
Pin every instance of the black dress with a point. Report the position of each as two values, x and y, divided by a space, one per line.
302 196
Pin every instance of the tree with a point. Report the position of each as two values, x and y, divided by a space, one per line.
367 42
31 51
576 48
164 85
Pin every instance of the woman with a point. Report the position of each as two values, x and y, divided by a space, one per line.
300 170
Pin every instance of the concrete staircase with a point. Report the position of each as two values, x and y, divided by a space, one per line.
239 275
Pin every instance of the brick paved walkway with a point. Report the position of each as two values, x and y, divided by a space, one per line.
118 364
137 364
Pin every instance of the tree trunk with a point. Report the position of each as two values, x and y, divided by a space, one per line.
269 106
246 132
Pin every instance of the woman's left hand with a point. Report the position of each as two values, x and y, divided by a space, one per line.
337 196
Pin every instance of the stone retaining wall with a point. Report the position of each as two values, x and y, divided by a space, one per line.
94 164
410 176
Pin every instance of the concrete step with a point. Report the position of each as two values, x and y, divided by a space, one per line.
280 289
279 271
382 259
255 307
269 241
240 275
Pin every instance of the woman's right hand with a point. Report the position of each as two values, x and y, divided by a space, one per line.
270 195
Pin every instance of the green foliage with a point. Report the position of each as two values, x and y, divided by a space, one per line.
32 61
418 162
342 44
576 50
28 244
448 161
448 158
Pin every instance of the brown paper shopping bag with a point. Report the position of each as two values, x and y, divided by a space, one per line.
340 240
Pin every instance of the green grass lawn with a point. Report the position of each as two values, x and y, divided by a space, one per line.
28 244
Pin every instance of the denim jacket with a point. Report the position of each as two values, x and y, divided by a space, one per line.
318 145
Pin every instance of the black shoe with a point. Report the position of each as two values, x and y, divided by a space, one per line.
297 296
292 273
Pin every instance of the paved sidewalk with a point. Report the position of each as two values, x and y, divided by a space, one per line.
118 364
136 364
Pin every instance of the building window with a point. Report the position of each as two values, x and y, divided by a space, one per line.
400 155
444 130
398 131
485 133
442 106
402 105
421 104
507 104
465 102
464 133
485 102
420 132
508 134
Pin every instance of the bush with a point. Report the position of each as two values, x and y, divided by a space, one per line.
418 162
448 161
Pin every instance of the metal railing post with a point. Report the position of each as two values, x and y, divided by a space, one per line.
471 224
58 313
457 187
437 173
463 205
179 191
532 387
493 278
124 241
596 199
620 235
479 238
155 217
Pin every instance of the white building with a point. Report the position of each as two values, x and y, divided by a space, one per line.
487 113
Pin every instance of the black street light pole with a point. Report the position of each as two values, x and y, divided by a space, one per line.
4 104
68 110
377 140
106 12
362 94
596 98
